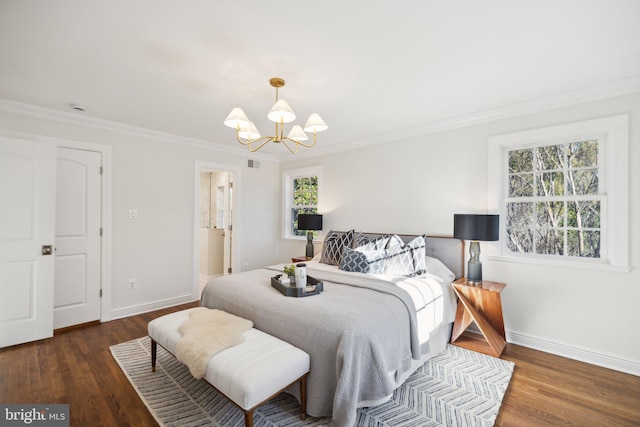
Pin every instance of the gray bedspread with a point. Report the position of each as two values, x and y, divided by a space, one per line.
361 337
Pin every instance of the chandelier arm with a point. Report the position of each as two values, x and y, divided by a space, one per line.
284 142
302 143
253 150
264 139
267 139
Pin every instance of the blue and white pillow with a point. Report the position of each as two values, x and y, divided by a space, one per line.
334 244
371 262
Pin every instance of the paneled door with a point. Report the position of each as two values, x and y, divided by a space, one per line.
27 209
77 255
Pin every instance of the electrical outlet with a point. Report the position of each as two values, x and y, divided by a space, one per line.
245 266
133 213
133 283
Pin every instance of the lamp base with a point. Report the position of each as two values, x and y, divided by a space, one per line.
309 250
474 266
474 274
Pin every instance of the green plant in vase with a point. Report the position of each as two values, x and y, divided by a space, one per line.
290 270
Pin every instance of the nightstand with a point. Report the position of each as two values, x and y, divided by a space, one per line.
300 259
480 304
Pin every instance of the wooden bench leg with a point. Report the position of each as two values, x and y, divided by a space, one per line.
248 418
303 397
154 349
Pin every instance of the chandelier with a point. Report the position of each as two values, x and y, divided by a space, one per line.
281 113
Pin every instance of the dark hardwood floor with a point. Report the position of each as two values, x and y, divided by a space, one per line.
76 367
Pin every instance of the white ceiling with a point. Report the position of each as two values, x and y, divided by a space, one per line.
371 69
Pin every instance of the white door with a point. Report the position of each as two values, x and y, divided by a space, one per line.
27 209
77 242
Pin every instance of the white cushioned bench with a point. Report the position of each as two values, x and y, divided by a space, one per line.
249 374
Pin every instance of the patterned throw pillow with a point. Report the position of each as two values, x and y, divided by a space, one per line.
359 239
333 246
394 242
399 261
419 253
365 243
371 262
405 259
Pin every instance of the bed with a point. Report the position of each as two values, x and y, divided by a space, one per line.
365 333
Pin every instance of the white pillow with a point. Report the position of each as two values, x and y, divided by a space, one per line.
436 268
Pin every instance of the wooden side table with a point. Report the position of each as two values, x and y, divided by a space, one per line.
480 304
300 259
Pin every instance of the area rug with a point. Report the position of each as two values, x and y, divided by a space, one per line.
458 387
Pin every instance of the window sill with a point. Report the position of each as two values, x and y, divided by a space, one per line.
566 264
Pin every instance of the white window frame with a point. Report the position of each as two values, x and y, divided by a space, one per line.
614 187
287 180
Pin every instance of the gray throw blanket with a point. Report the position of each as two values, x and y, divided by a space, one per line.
360 339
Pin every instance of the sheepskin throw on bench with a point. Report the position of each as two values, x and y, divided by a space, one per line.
207 333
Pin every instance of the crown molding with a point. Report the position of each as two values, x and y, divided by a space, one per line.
13 107
563 99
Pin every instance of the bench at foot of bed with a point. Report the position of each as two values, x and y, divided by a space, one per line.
248 374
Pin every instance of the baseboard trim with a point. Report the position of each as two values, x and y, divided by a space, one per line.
572 352
152 306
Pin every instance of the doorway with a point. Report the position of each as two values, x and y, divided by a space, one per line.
215 231
78 237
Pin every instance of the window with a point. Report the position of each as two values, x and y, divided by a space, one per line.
301 196
561 192
553 202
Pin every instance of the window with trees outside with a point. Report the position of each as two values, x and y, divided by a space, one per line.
301 197
561 192
554 203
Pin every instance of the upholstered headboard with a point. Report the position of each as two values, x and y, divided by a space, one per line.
449 250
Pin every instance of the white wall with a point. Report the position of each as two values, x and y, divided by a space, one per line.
416 186
157 177
412 186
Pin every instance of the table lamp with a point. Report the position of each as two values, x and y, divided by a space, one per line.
310 223
475 228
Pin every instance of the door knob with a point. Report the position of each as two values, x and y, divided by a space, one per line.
47 249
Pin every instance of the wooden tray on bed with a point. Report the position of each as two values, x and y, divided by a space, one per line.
314 285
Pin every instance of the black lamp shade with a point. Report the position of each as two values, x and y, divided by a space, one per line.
485 228
309 222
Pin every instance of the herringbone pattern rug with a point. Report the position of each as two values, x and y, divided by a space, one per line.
456 388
